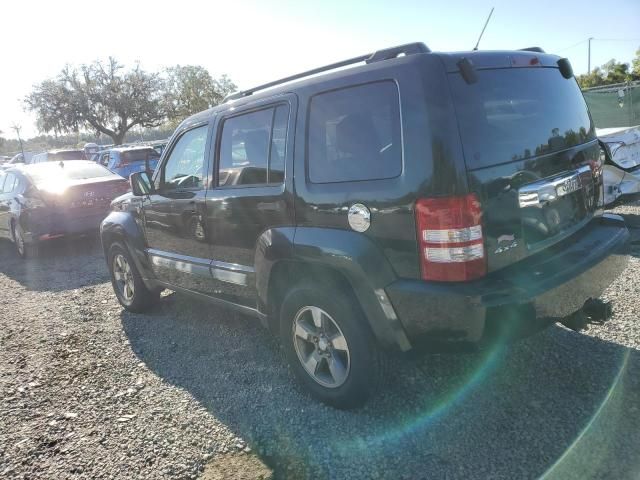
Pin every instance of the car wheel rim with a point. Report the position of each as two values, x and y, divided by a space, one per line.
17 235
321 347
124 277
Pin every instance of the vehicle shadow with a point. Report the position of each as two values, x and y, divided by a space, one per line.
61 264
560 404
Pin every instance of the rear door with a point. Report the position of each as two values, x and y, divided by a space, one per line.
254 147
531 155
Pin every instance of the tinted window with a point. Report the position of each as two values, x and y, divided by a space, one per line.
2 178
185 167
516 113
139 155
354 134
252 147
66 155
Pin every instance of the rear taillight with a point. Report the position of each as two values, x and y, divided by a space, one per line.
450 238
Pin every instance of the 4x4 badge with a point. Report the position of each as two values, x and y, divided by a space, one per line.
359 217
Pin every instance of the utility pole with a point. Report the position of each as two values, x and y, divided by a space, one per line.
589 60
17 129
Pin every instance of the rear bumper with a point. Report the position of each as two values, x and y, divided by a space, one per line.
521 298
62 225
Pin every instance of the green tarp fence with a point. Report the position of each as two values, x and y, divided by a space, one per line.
614 105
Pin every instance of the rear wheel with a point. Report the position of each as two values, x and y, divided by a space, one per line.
127 282
329 346
24 249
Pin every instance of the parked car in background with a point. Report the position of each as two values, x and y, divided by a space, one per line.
127 160
418 198
19 158
90 149
42 201
622 166
58 155
159 145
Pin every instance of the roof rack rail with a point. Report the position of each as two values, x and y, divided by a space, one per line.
377 56
533 49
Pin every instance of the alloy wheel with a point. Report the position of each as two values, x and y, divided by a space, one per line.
19 239
321 347
124 277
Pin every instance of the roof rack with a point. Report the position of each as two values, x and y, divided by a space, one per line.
377 56
533 49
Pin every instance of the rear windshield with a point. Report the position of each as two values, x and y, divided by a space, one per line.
48 173
140 155
516 113
66 155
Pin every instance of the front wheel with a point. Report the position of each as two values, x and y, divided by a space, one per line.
329 346
127 282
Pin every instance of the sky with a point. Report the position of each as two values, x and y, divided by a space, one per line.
257 41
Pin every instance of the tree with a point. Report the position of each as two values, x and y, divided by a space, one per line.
190 89
635 63
611 72
102 97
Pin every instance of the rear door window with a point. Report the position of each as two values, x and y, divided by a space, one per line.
355 134
253 147
517 113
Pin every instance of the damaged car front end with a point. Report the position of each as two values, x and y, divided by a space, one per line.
621 147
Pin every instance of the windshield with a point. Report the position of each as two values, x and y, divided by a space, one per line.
49 173
516 113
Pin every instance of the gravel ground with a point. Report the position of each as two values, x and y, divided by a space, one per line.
90 391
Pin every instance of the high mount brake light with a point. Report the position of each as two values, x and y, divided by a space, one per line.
450 238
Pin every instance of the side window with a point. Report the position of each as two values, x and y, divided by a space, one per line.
105 159
185 167
3 176
9 183
252 147
354 134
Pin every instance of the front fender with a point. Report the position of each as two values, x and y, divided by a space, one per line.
123 227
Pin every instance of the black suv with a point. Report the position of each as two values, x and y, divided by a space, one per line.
417 198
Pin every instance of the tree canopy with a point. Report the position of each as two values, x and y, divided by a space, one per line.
190 89
611 72
108 99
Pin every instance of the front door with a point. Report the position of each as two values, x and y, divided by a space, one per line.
251 194
174 214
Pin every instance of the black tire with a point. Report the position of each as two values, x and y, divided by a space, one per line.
140 298
366 361
23 249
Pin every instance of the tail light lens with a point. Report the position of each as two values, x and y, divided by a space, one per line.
450 238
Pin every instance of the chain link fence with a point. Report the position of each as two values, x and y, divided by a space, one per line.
616 105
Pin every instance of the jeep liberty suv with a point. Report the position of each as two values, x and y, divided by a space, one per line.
414 198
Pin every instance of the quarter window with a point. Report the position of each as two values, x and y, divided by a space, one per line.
185 167
354 134
253 147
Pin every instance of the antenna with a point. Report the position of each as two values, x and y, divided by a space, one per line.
483 29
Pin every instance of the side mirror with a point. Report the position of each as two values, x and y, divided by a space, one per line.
141 184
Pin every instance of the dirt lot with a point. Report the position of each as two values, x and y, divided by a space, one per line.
89 391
